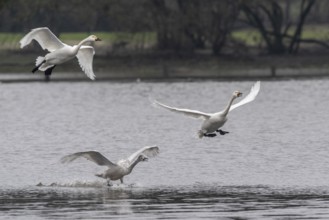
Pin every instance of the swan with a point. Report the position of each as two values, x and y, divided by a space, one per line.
59 52
115 171
213 121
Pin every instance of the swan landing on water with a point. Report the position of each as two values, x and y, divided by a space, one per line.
59 52
213 121
121 168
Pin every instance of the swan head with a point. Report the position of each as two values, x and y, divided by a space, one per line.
94 38
142 158
237 94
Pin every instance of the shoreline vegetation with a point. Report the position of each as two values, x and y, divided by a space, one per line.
124 56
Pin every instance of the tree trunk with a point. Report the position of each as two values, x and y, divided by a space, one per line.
268 18
304 11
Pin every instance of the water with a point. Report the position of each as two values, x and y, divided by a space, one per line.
272 165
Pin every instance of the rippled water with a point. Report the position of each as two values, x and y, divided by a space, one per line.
273 164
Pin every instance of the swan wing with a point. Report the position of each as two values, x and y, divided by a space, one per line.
93 156
85 58
46 39
187 112
149 151
250 97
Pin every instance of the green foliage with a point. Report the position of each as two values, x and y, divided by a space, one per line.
251 37
318 32
111 37
11 40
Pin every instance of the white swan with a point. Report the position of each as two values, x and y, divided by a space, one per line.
213 121
115 171
60 52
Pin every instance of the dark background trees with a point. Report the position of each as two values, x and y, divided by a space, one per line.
273 21
193 24
181 26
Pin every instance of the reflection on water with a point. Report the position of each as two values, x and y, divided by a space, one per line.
185 202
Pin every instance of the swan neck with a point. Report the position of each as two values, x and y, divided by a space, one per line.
83 41
133 165
227 109
80 44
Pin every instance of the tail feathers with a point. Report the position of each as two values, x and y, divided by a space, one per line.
39 61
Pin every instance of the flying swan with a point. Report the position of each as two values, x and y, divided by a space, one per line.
121 168
213 121
59 52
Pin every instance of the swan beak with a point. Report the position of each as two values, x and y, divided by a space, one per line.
240 94
98 39
145 159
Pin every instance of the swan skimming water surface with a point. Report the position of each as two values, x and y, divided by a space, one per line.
213 121
121 168
59 52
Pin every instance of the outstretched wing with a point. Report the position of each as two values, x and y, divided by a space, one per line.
187 112
93 156
150 151
46 39
85 58
250 97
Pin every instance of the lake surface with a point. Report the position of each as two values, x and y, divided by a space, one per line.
272 165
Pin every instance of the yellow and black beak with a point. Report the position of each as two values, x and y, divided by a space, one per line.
98 39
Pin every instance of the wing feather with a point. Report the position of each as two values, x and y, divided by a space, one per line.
149 151
187 112
93 156
46 39
250 97
85 58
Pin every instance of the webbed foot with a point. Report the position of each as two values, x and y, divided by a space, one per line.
210 135
222 132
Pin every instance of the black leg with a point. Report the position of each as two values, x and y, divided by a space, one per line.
47 78
222 132
48 73
210 135
37 67
49 70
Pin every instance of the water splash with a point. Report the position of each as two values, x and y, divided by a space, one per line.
88 184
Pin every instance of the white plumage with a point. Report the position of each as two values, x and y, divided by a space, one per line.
60 52
213 121
115 171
